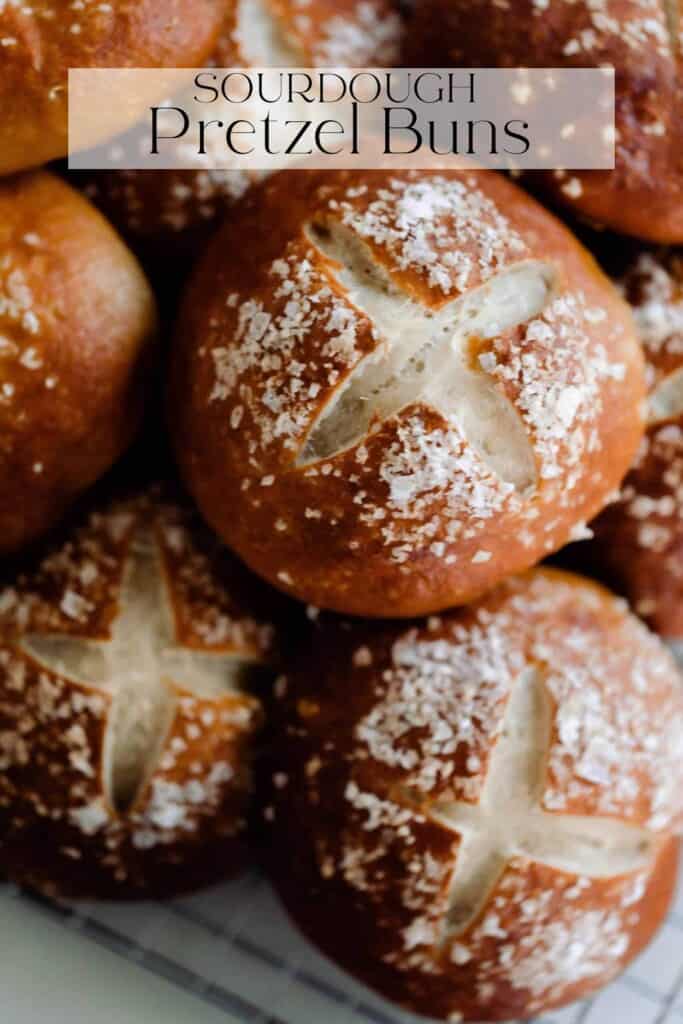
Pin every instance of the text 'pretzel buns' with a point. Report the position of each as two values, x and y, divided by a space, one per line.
391 390
125 725
641 39
179 206
76 321
41 39
488 798
639 538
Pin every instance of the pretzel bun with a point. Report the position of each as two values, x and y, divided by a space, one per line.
488 798
182 206
76 321
643 196
639 538
42 39
125 725
408 386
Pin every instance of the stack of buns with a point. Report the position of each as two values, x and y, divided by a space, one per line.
409 389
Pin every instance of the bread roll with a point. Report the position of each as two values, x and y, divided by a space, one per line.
180 207
641 39
41 40
126 723
487 798
639 538
405 388
76 321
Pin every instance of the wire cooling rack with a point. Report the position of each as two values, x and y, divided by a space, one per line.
234 947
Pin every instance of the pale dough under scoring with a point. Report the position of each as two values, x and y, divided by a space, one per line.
427 356
508 821
142 666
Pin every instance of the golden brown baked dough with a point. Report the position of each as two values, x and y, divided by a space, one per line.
643 196
639 538
41 39
487 798
125 724
76 321
156 208
406 387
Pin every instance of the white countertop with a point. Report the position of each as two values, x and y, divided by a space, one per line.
49 973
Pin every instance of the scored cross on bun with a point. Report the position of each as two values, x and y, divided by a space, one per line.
640 39
487 798
126 714
319 33
77 322
180 206
406 387
41 39
639 538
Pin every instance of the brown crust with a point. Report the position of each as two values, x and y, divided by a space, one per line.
247 388
41 40
182 207
419 714
76 321
639 538
59 831
643 196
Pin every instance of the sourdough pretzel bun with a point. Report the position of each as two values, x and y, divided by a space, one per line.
182 206
641 39
407 387
76 320
488 798
125 724
639 538
42 39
